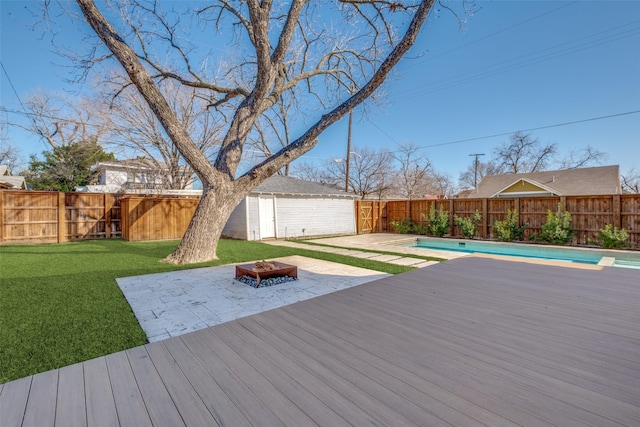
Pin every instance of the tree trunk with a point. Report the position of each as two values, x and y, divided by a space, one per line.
200 241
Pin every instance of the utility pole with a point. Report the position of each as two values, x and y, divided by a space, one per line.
346 180
475 169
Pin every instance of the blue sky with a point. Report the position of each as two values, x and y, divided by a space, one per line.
515 65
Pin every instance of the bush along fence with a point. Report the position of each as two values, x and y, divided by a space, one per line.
589 215
53 217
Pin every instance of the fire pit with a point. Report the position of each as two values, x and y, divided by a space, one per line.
266 270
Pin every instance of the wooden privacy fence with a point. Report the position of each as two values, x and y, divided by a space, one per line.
589 214
53 217
156 218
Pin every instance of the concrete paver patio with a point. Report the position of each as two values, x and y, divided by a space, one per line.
172 304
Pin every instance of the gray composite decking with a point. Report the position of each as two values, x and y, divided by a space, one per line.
472 341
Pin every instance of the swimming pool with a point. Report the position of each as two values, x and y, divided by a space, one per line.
627 259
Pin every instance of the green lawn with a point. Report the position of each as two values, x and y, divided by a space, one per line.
60 304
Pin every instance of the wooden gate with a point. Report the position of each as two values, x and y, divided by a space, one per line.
371 216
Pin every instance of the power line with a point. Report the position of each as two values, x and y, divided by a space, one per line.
526 21
591 119
15 92
559 50
459 141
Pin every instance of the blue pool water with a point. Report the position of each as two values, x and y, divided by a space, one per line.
627 259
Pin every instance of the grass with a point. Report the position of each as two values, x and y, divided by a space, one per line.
60 304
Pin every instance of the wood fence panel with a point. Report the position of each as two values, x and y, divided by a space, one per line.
396 211
464 208
156 218
497 211
589 214
534 210
630 216
29 217
86 216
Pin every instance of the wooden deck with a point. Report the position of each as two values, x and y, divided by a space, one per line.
472 341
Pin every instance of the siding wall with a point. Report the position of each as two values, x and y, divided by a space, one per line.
316 216
253 222
236 227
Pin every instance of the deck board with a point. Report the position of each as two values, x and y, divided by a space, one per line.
41 407
470 342
101 406
128 399
70 407
161 408
13 401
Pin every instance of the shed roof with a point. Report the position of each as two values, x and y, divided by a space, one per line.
567 182
286 185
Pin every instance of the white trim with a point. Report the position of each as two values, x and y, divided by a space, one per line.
246 219
530 181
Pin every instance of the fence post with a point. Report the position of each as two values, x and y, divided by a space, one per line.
62 218
108 203
485 218
617 211
452 223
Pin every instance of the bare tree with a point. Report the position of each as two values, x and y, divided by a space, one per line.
9 157
310 172
413 178
475 172
370 173
9 154
134 132
59 120
287 50
523 154
273 125
442 184
584 157
630 181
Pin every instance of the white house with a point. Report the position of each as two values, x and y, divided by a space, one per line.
137 176
285 207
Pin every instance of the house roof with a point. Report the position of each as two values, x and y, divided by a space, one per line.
9 181
293 186
567 182
130 164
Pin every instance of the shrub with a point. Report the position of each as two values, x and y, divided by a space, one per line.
508 229
438 221
468 225
557 229
611 237
420 228
404 226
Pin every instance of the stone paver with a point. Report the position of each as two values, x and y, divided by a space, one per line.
379 241
385 258
410 262
174 303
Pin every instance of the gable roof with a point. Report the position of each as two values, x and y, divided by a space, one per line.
140 164
8 181
286 185
567 182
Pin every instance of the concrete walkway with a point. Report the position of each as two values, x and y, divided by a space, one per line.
384 242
